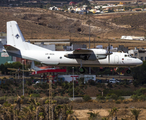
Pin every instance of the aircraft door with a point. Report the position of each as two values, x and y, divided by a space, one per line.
116 59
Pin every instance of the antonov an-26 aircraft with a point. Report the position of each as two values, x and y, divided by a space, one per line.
17 46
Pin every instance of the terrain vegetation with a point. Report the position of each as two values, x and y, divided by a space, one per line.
35 103
36 23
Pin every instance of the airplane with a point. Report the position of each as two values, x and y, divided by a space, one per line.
18 47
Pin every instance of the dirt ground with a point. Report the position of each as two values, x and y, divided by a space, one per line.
83 114
124 110
36 23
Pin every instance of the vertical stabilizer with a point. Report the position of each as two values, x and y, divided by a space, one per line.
14 36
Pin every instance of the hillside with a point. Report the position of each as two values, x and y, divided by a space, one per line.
44 24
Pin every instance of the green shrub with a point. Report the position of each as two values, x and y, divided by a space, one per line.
11 100
114 96
2 100
100 97
86 98
134 97
6 104
118 92
35 95
140 91
29 83
22 96
61 100
142 97
108 97
121 98
42 101
118 102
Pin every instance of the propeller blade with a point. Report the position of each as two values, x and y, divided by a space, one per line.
108 52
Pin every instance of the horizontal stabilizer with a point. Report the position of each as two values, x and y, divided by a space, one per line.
9 47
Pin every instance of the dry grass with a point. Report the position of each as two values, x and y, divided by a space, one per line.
43 24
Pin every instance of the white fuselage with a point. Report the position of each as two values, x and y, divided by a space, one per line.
58 58
18 47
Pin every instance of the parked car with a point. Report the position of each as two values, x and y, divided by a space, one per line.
113 81
40 82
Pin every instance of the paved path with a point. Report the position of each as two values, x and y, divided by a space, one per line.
93 98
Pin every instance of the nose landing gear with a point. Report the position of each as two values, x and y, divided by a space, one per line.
128 71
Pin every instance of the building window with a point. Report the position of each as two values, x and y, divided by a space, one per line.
145 58
49 57
142 58
135 54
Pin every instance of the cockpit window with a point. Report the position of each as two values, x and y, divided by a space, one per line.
127 55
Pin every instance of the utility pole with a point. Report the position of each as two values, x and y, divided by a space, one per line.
23 75
73 82
89 43
50 98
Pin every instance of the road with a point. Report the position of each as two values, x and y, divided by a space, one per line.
93 98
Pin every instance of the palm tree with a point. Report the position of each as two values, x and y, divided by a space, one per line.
93 116
104 118
28 113
69 112
113 113
42 113
136 113
19 101
7 111
58 111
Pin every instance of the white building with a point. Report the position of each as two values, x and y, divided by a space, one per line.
133 37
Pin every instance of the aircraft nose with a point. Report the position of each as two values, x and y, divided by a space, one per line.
139 62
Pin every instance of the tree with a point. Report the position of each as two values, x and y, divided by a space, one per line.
139 74
113 113
93 116
136 113
69 112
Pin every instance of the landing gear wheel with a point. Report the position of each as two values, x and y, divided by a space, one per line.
128 71
81 70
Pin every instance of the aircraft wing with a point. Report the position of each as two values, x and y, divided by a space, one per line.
82 50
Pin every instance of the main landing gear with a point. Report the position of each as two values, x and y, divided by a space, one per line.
82 70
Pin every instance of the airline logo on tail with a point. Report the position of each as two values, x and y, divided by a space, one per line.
17 36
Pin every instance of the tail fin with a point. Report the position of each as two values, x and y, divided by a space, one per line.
14 36
16 40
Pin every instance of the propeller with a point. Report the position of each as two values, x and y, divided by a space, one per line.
108 52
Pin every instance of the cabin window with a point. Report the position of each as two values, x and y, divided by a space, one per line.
49 57
126 55
60 57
